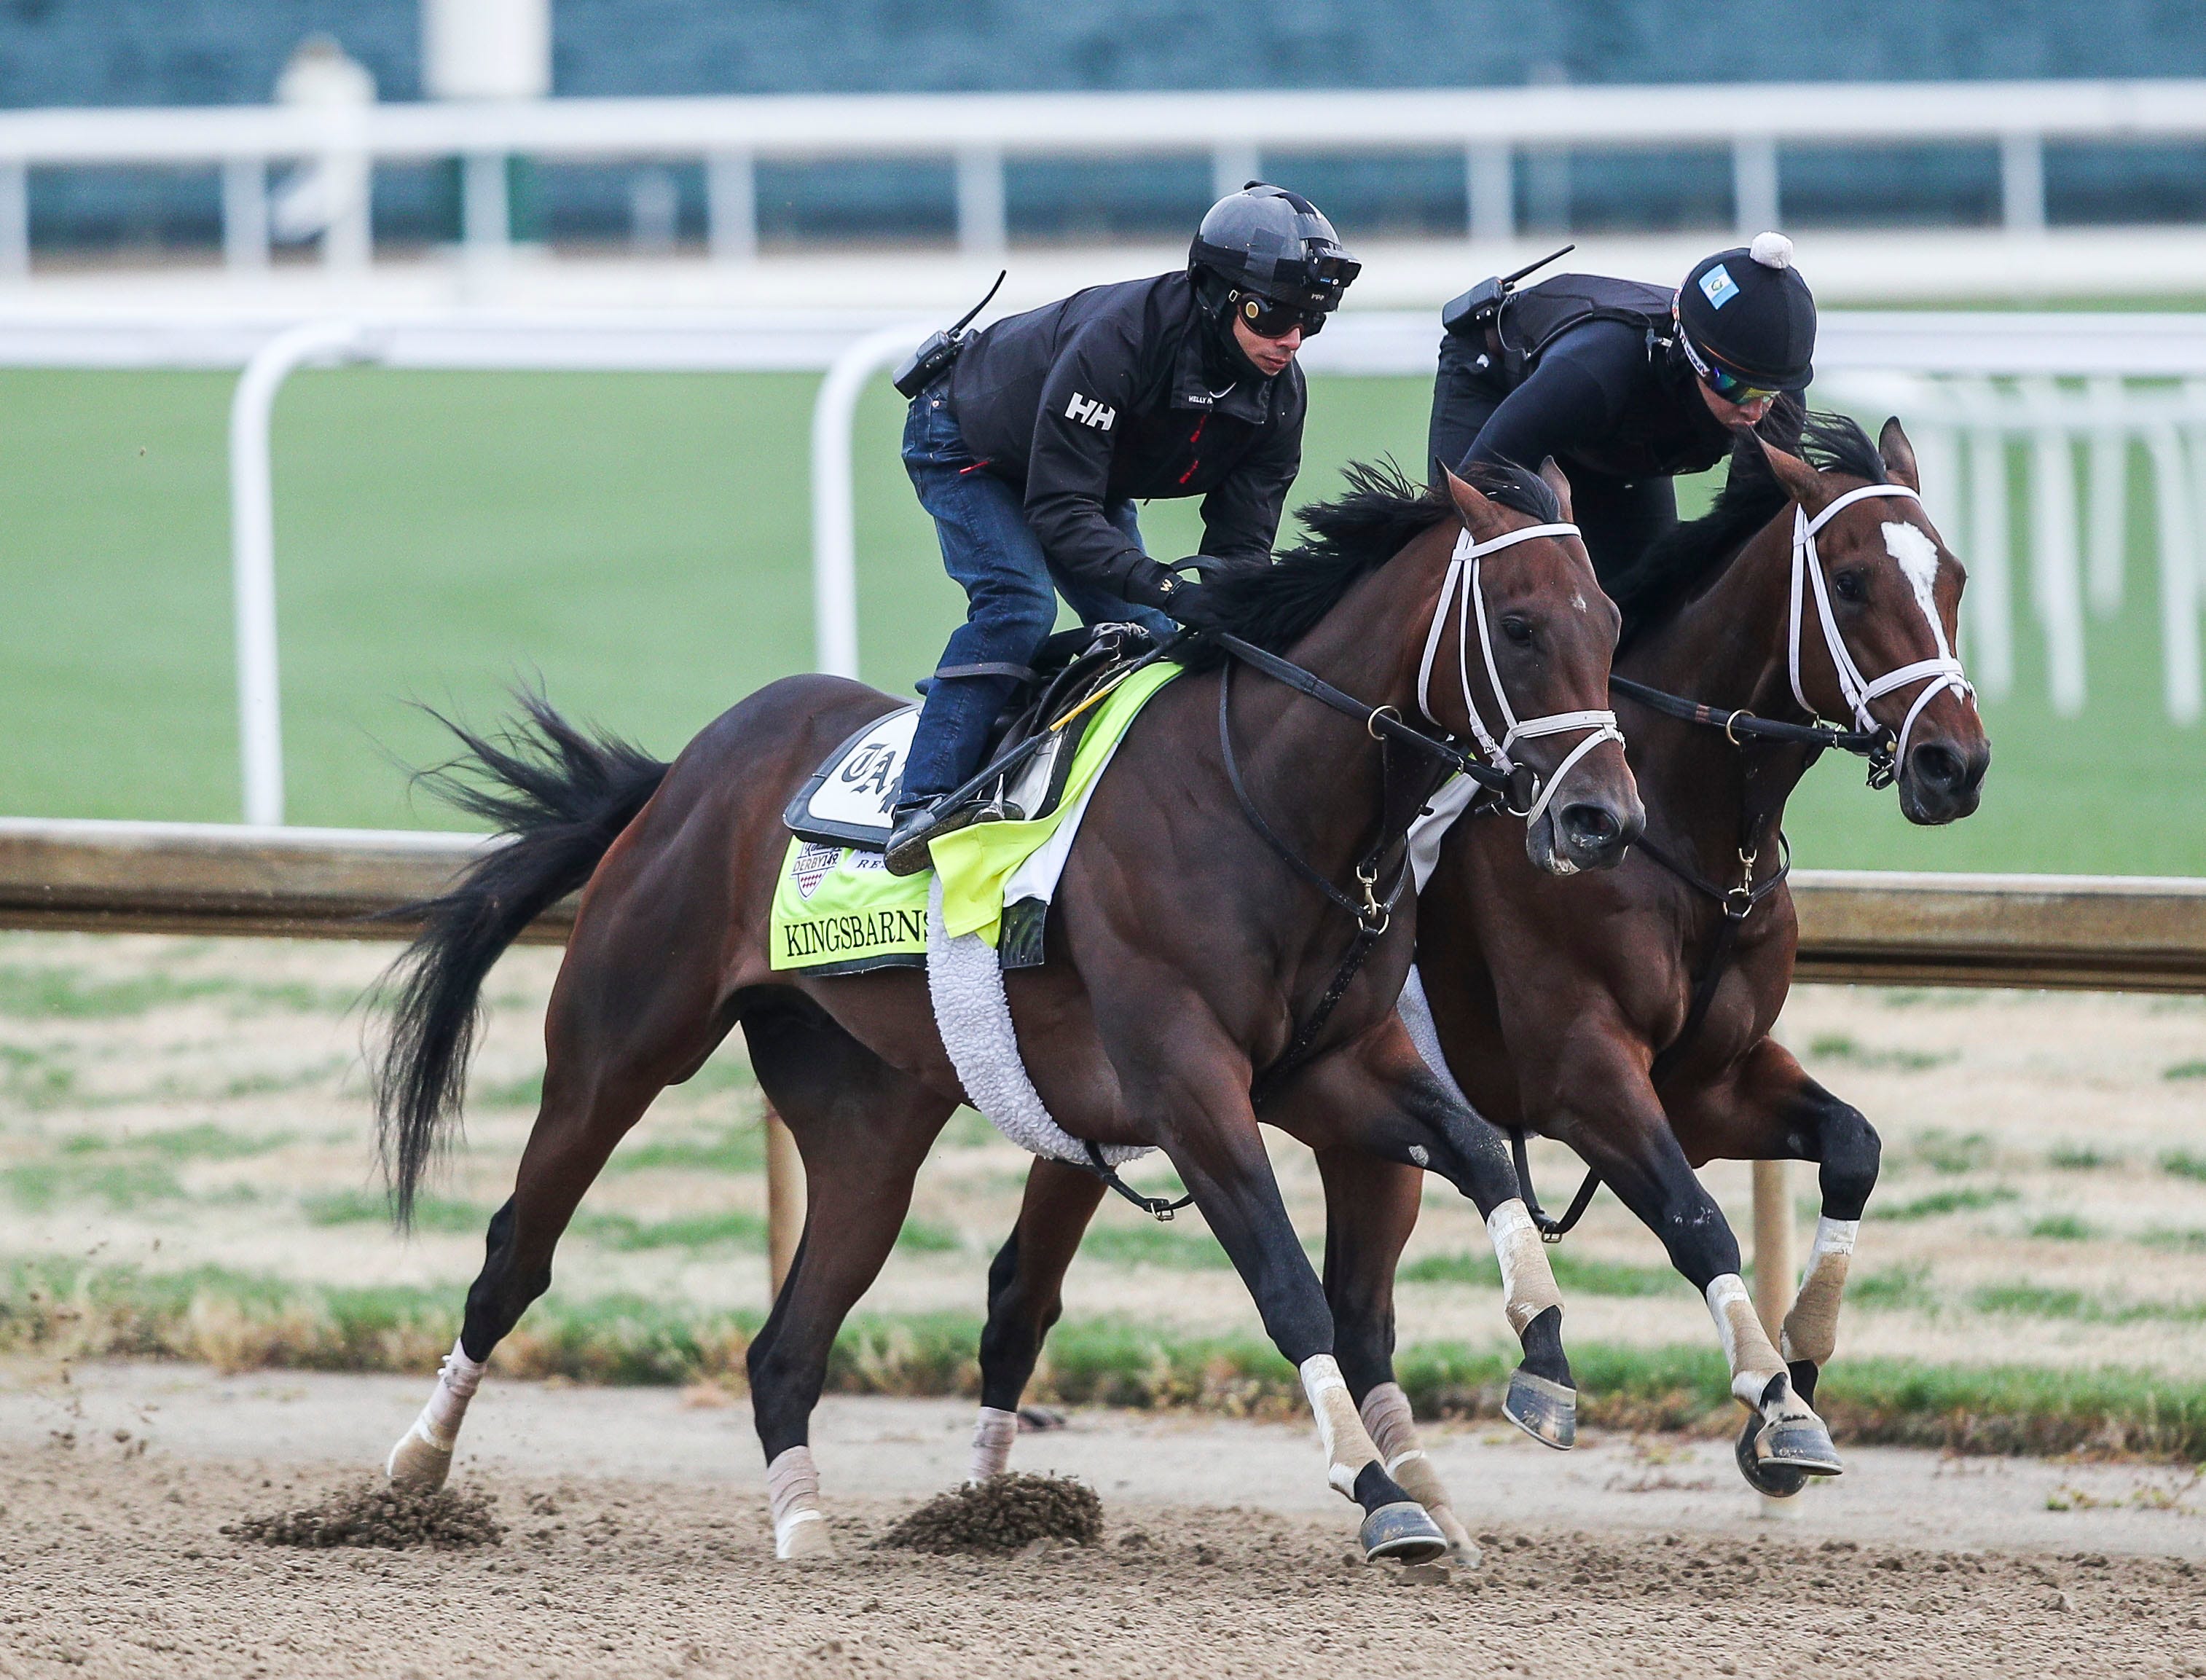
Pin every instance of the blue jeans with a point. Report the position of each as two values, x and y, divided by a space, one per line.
1010 593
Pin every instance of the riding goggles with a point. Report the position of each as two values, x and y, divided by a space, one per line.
1268 319
1728 385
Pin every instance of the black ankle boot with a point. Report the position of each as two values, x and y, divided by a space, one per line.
911 827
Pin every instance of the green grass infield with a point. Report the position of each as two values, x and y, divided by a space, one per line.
239 1321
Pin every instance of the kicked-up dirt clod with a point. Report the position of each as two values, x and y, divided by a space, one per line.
371 1514
1002 1514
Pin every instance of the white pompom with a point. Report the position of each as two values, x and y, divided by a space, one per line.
1771 250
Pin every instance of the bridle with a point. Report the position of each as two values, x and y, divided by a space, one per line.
1472 592
1941 674
1739 901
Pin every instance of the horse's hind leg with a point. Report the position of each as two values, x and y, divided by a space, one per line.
1025 1296
862 1129
1370 1209
610 1050
1770 1109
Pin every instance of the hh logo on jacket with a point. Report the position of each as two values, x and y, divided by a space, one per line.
1089 412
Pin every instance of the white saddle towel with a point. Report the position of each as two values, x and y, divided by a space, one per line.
1416 1013
966 982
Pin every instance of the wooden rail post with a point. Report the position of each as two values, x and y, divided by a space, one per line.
785 1199
1773 1281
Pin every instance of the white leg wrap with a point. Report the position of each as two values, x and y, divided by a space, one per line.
1811 1328
992 1436
1746 1346
423 1457
458 1380
792 1490
1386 1413
1528 1283
1348 1447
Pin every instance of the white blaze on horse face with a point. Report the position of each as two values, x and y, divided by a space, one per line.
1910 545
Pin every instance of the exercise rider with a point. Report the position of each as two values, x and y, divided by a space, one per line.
1626 385
1031 447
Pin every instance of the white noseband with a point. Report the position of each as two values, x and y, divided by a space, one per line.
1601 724
1939 675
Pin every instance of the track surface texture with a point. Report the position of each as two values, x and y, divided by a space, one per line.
112 1561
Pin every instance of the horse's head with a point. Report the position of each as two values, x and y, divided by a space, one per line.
1876 599
1518 659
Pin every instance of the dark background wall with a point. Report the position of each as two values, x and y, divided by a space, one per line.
216 51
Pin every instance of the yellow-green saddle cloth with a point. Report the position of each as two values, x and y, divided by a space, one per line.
837 911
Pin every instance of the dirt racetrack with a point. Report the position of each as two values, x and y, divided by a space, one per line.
636 1545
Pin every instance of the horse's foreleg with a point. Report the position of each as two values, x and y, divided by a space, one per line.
1771 1110
1025 1296
1600 1102
1370 1209
1221 1158
1382 1099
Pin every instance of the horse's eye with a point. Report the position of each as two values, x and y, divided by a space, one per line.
1850 587
1518 631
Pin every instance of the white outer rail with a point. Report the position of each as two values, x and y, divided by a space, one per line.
978 131
834 497
253 551
1957 414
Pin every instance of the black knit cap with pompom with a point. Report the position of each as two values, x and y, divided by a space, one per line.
1748 311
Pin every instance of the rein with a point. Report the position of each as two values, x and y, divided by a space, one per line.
1602 724
1881 746
1521 788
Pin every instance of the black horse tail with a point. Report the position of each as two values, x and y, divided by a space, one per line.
561 795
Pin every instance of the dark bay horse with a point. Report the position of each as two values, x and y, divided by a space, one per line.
1182 949
1570 1011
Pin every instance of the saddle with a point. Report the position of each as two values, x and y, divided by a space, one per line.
850 800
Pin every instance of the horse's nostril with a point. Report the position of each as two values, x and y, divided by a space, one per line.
1938 767
1591 827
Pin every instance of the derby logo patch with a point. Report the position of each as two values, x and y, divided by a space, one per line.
1089 412
811 865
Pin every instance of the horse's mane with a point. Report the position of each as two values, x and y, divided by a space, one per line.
1687 559
1272 604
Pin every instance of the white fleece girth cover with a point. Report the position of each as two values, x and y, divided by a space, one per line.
1416 1013
965 980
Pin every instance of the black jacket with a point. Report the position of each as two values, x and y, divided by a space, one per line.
1118 393
1587 374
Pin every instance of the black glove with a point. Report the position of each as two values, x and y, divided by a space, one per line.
1199 606
1194 604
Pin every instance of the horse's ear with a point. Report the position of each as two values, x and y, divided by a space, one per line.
1559 481
1802 481
1478 513
1898 456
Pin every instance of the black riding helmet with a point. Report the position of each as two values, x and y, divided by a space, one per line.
1277 245
1747 314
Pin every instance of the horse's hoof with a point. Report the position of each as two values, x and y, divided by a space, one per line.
417 1463
806 1540
1776 1481
1404 1533
1800 1444
1461 1551
1545 1411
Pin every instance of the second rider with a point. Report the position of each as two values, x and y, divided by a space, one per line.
1030 450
